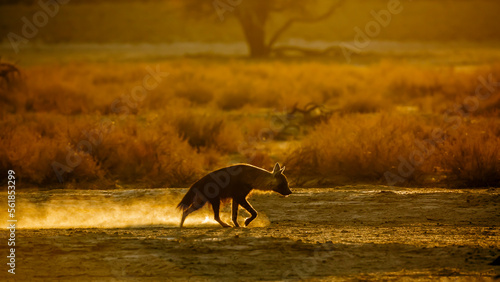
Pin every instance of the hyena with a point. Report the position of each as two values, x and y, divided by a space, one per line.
235 183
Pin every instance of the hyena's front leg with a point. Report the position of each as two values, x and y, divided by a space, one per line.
235 213
250 209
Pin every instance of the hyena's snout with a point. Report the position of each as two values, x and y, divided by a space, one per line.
285 191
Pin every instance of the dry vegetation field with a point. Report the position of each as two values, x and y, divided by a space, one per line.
330 123
113 108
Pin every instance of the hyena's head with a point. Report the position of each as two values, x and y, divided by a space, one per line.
281 183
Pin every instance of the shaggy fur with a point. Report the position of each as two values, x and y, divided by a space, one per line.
235 183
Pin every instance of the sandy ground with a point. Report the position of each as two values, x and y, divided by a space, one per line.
345 233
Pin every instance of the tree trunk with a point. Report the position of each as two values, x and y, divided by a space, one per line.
253 25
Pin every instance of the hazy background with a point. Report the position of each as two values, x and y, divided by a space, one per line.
169 21
67 105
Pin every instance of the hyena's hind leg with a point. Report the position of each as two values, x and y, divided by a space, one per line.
216 206
198 203
253 213
235 213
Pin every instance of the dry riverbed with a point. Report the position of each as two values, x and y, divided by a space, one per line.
358 232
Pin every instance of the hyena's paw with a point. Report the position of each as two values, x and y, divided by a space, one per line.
248 220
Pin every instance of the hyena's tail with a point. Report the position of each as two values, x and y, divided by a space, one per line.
192 201
187 200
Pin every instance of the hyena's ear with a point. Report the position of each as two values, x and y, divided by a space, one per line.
282 169
277 169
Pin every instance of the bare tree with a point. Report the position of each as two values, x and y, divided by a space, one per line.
253 16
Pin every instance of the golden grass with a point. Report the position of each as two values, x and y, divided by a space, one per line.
471 156
361 146
378 147
131 152
210 113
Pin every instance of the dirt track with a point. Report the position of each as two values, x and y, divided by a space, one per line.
362 232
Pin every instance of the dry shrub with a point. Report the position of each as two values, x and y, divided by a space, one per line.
153 154
361 147
233 100
196 94
212 158
257 125
11 101
260 159
439 86
490 106
132 152
412 85
59 99
31 148
207 130
200 131
471 155
364 106
365 147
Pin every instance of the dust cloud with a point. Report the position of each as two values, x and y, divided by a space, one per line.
111 209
